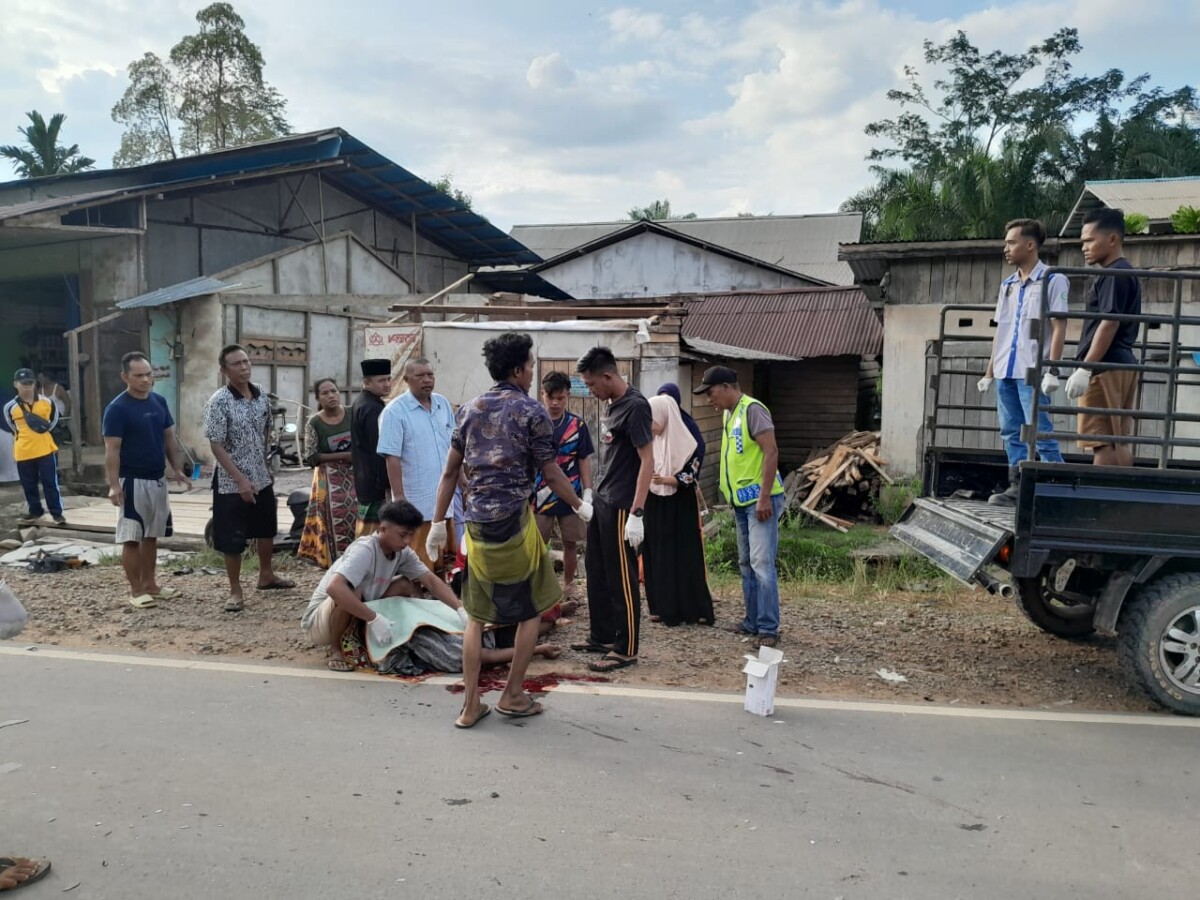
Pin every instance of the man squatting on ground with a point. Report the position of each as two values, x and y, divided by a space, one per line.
384 564
139 439
617 530
237 423
750 483
370 469
1015 350
1107 341
502 437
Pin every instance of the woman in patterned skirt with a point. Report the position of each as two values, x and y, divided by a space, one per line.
332 507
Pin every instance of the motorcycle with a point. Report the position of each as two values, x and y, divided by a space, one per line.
284 449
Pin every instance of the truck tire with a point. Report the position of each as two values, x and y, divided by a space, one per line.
1159 644
1050 614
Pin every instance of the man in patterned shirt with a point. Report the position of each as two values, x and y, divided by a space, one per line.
503 437
575 449
237 422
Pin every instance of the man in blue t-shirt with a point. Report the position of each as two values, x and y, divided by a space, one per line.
574 443
139 439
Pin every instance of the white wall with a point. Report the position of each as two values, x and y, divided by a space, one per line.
651 265
456 353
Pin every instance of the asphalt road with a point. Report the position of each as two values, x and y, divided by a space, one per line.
155 782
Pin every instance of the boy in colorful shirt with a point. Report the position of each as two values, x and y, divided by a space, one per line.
574 443
31 418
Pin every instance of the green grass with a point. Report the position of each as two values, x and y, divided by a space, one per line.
813 554
893 499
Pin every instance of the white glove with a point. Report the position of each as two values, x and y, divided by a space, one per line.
436 542
635 531
381 629
587 495
1077 384
585 511
984 384
463 618
1049 384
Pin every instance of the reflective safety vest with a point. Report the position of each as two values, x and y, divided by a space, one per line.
742 458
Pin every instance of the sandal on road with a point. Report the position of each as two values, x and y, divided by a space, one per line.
12 868
484 711
337 664
279 584
612 662
143 601
532 708
165 594
235 604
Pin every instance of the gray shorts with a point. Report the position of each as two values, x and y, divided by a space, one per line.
146 512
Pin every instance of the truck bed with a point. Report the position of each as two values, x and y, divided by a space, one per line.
960 536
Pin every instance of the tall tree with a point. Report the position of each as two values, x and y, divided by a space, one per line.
210 94
42 154
658 211
995 139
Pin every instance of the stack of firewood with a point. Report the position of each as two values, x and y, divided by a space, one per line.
843 478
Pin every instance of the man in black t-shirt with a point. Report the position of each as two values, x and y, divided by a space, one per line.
1107 341
370 469
616 530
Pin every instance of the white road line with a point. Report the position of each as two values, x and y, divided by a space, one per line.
1165 720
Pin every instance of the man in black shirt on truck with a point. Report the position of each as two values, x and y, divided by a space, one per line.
1107 341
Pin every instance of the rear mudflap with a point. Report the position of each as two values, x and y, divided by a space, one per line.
951 538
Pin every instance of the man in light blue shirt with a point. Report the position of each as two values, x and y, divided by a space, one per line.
414 438
1015 350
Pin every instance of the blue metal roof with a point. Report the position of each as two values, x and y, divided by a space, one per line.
363 173
185 290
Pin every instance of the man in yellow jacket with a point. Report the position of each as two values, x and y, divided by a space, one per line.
31 418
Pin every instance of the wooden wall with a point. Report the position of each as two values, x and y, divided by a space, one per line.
813 402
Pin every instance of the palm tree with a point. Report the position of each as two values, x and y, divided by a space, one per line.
43 155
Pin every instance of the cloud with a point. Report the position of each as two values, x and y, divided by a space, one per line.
550 71
635 25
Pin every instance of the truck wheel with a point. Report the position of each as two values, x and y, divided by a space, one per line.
1160 641
1051 613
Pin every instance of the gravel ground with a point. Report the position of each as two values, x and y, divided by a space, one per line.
952 646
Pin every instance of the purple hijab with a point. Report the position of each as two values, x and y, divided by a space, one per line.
672 390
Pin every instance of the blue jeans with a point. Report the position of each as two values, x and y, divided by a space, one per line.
758 544
43 470
1014 407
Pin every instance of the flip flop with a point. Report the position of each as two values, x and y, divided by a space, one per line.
591 647
612 663
41 870
279 584
166 594
484 711
533 709
143 601
334 664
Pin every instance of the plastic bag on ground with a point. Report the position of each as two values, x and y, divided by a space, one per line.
12 614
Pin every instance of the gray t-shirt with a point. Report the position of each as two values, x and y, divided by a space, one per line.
758 420
368 570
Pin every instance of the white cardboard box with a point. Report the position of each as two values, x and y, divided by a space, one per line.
762 676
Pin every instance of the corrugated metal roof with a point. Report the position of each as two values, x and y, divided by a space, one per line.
1156 198
185 290
807 245
364 174
794 324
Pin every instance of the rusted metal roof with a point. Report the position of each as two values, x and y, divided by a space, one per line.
795 324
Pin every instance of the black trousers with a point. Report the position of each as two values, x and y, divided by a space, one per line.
614 603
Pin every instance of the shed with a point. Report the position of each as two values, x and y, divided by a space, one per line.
1155 198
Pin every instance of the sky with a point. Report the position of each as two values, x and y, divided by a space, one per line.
574 111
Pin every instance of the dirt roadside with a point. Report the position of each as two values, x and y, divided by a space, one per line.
952 646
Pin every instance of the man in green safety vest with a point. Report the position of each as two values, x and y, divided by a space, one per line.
750 483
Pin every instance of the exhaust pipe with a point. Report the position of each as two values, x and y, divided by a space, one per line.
996 586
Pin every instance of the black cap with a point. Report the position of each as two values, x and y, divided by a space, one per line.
372 367
25 376
715 375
